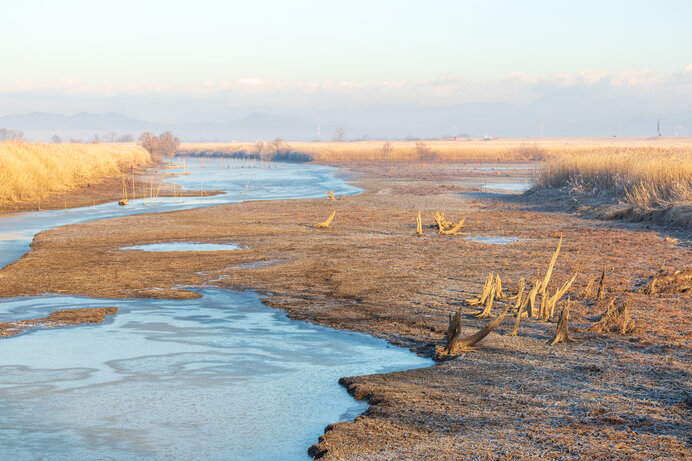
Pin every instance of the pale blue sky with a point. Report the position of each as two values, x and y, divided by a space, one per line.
100 44
604 66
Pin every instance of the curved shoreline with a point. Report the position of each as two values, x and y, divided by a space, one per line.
335 277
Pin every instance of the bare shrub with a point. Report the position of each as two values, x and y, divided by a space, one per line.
339 135
165 143
425 154
528 151
386 150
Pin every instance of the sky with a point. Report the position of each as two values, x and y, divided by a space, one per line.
219 58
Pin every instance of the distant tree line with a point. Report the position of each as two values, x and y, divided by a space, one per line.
165 143
8 134
111 136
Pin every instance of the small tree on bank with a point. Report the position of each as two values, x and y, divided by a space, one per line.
165 143
277 146
339 135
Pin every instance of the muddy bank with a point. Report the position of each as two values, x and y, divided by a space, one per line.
609 208
56 319
606 395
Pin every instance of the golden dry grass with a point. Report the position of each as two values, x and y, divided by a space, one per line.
647 178
29 171
475 150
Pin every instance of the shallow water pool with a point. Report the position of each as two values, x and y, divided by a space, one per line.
221 377
184 246
494 240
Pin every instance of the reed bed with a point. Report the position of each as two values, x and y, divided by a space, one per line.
29 171
471 150
647 178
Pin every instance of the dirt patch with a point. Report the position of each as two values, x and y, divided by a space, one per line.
56 319
606 395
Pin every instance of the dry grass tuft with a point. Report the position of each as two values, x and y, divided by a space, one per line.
29 171
646 179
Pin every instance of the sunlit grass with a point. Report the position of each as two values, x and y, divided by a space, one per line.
647 178
29 171
476 150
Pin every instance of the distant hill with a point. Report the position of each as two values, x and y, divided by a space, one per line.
551 116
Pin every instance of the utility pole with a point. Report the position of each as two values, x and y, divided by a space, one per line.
658 127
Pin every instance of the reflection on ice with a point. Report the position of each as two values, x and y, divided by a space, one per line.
282 181
494 240
184 246
221 377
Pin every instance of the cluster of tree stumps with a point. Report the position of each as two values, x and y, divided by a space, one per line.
537 303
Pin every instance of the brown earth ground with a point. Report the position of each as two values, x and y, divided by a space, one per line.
604 396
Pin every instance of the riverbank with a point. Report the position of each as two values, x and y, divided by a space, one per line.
36 172
109 190
515 396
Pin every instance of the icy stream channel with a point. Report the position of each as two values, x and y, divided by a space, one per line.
220 377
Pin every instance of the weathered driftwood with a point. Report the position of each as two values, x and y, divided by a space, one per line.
520 293
453 325
614 320
561 333
454 230
532 298
419 225
587 290
486 291
552 301
498 288
455 344
324 225
601 285
486 312
546 279
442 223
520 313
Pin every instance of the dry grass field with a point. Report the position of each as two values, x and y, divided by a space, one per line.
31 171
633 178
472 150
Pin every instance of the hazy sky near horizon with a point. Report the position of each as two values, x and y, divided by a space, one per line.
305 52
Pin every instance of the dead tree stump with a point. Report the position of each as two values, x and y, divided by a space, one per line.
561 333
601 286
456 344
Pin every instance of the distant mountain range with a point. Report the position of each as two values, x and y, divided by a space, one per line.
544 117
40 126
